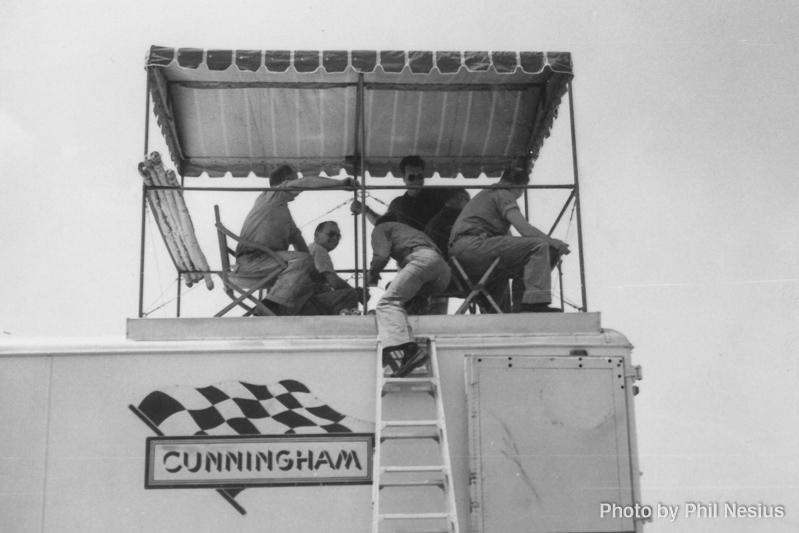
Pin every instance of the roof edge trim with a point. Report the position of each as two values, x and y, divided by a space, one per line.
362 61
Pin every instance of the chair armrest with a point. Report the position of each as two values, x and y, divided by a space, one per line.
253 245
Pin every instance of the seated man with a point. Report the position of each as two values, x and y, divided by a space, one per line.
422 270
270 224
336 296
440 226
418 205
481 234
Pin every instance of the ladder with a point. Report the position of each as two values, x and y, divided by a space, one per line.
405 488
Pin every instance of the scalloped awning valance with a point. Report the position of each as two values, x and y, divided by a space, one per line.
249 111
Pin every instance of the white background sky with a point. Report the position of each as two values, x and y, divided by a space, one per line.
687 141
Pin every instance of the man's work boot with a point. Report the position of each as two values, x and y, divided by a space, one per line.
393 356
414 358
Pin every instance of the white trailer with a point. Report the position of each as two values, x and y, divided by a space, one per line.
539 414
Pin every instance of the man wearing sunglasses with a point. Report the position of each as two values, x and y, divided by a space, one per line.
418 205
336 296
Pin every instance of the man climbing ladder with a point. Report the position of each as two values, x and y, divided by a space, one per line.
422 271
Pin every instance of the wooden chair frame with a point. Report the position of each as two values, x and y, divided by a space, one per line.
235 291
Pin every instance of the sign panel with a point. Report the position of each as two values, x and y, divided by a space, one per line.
258 460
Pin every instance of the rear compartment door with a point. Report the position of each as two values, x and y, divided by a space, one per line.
549 444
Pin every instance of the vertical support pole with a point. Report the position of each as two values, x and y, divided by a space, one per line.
141 250
362 150
356 239
526 206
527 218
577 201
144 198
180 274
180 278
147 117
358 173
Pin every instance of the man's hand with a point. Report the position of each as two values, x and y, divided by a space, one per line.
560 246
357 208
351 183
372 278
368 295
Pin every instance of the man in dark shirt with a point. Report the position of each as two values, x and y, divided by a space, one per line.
418 205
439 229
440 226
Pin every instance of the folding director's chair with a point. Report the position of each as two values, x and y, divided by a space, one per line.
242 288
464 288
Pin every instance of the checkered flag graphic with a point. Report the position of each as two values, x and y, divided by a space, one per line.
239 408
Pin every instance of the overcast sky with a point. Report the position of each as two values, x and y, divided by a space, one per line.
687 142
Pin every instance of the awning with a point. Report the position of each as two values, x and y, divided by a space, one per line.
250 111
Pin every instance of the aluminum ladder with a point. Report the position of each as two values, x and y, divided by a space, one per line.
408 485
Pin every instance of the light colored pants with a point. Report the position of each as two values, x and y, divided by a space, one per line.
293 285
526 258
425 272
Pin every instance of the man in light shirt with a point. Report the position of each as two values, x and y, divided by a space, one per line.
270 224
422 270
482 233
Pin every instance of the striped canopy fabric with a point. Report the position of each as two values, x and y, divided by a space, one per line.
250 111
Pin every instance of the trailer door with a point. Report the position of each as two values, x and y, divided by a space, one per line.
549 444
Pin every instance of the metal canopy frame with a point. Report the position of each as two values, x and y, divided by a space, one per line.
158 87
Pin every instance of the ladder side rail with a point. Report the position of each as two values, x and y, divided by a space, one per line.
444 444
444 467
378 438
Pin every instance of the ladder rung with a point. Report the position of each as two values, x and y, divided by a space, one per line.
437 530
427 379
420 434
443 529
409 483
414 516
416 388
410 423
426 468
